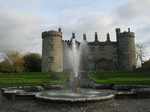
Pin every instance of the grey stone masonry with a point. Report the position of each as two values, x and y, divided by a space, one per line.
52 51
106 55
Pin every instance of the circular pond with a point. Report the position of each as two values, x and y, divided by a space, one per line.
87 95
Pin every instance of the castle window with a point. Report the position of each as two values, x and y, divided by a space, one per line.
115 64
114 56
127 61
51 59
102 55
92 48
102 64
126 46
90 57
126 52
115 47
50 40
51 47
101 48
91 65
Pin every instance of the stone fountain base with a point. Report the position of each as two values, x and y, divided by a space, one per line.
104 99
117 91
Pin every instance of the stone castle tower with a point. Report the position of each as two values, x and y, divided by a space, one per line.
107 55
52 60
126 50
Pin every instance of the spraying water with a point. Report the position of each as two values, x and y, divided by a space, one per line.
75 58
76 53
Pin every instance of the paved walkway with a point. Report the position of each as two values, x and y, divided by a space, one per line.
85 80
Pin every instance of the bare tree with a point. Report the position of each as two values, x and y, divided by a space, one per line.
141 54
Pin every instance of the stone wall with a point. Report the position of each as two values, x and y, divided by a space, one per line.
106 55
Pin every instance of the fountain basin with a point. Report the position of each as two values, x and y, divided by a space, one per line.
53 94
87 95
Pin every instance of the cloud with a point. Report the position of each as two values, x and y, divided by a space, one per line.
19 31
89 23
134 14
133 11
21 24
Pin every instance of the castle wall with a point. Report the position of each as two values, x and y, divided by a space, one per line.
105 55
66 63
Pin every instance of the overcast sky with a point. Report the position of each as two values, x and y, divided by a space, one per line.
23 21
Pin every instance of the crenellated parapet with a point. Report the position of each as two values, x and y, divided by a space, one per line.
52 33
124 34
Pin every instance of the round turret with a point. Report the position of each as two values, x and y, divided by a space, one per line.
126 50
52 51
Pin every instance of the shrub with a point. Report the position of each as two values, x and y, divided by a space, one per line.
56 77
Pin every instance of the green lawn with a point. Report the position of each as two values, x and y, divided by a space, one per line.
37 78
120 77
33 78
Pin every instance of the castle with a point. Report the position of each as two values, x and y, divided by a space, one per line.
107 55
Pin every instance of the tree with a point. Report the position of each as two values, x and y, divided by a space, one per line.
32 62
13 61
141 54
4 66
146 65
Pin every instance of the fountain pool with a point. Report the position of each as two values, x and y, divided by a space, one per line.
67 96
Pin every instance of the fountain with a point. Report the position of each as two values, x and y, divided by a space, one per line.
74 58
56 93
75 54
76 94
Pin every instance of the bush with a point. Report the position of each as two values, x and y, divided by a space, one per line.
56 77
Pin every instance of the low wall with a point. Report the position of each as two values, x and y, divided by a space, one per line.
122 90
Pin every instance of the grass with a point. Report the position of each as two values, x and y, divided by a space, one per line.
33 78
120 77
37 78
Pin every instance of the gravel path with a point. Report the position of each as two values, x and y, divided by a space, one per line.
125 105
